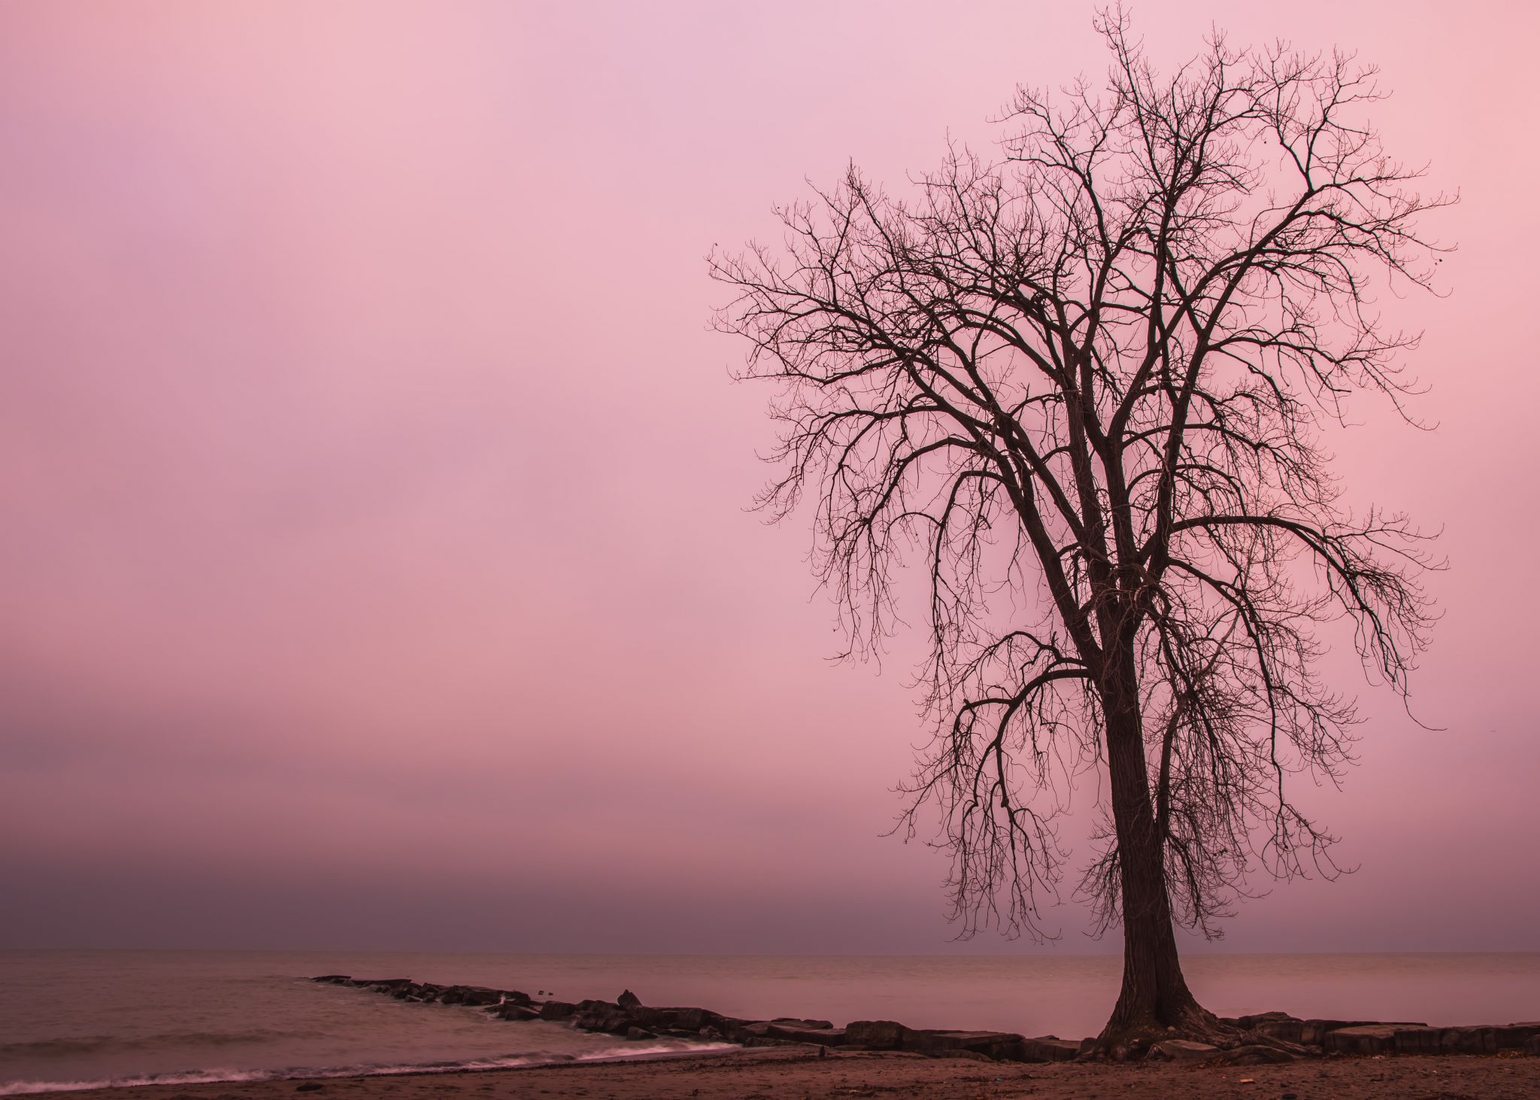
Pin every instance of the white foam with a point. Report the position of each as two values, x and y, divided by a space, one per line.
225 1076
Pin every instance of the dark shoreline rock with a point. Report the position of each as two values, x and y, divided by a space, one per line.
1275 1036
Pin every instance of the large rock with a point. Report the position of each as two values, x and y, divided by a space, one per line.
820 1036
1181 1050
817 1032
510 1010
411 991
676 1019
1049 1048
1465 1040
735 1031
1436 1040
477 995
1362 1039
802 1022
875 1034
1250 1021
1314 1032
1381 1038
605 1016
628 1000
558 1010
997 1045
1516 1036
1275 1025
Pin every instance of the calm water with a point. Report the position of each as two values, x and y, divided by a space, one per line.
72 1019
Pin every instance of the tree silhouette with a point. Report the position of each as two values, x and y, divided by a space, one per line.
1085 385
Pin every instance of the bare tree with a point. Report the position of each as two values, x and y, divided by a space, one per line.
1085 386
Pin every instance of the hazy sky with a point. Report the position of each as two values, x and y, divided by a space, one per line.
376 570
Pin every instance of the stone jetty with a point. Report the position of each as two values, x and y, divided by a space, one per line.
627 1017
1277 1036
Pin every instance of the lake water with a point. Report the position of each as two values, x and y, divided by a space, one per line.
75 1019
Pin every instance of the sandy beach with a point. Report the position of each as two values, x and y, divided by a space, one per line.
773 1073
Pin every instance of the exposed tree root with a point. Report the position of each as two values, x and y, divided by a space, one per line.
1133 1042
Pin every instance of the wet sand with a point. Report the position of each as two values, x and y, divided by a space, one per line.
774 1073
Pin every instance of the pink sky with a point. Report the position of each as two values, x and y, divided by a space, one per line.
376 569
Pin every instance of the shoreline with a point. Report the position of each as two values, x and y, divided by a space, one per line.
802 1071
210 1078
1255 1039
731 1057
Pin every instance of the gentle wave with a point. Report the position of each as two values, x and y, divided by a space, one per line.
93 1044
629 1052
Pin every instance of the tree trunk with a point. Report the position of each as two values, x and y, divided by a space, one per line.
1155 996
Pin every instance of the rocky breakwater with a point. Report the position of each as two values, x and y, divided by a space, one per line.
1261 1038
1378 1037
629 1018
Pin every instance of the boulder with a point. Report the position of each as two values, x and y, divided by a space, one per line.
788 1031
681 1019
1251 1021
1381 1038
508 1010
798 1021
1457 1040
558 1010
1275 1025
875 1034
407 991
606 1016
609 1023
637 1034
734 1031
1049 1048
997 1045
470 995
1362 1039
1475 1040
628 1000
1422 1040
1181 1050
1515 1036
795 1033
1314 1032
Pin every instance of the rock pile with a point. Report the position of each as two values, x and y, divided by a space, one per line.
1273 1036
628 1017
1376 1037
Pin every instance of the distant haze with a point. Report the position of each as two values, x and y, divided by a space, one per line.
376 569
